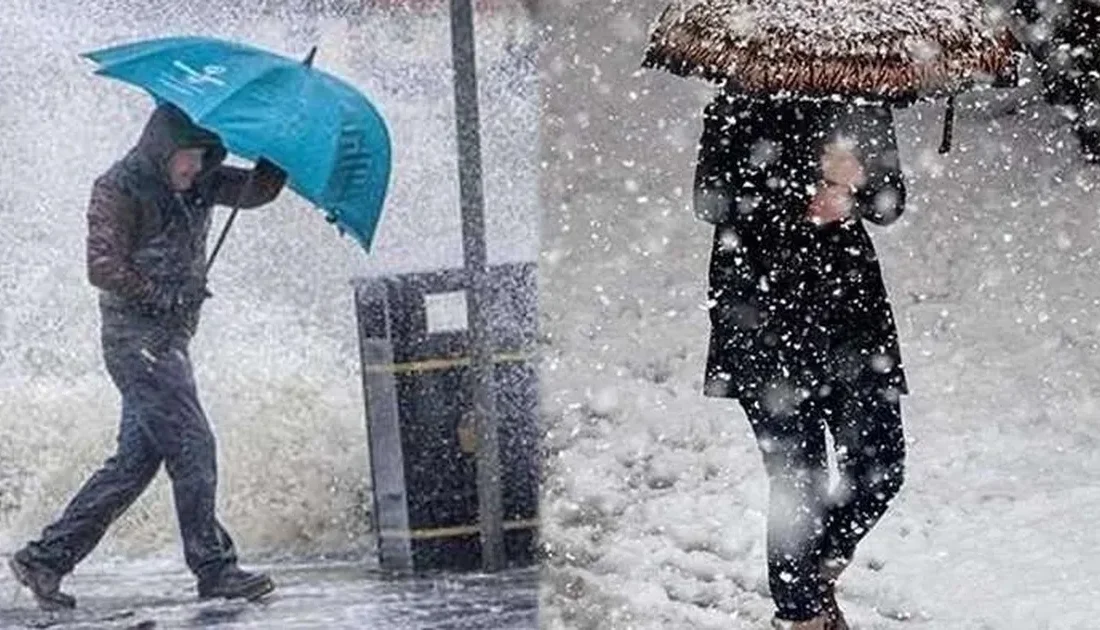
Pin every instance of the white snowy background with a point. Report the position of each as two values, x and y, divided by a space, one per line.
655 497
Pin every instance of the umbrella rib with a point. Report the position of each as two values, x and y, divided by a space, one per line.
169 43
211 108
165 47
337 139
140 51
240 88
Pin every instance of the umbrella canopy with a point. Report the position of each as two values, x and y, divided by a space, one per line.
329 138
882 49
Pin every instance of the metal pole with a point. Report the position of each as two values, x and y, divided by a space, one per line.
490 508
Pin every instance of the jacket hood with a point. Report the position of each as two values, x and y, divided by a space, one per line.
168 130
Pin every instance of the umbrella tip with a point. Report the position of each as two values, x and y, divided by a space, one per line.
310 56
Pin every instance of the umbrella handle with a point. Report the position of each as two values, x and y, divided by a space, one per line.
948 125
232 217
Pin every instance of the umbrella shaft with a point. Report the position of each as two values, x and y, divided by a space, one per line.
229 222
221 238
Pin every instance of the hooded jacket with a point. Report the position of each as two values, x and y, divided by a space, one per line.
145 240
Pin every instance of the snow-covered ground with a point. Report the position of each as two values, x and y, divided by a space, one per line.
654 497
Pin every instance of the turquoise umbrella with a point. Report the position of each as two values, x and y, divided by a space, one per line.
327 136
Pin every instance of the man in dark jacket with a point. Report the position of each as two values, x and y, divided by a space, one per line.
148 222
1063 37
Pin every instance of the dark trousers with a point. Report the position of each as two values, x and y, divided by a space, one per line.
162 421
807 524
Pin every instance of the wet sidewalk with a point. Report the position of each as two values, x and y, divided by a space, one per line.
316 595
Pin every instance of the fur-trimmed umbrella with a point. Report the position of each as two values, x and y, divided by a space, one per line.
883 50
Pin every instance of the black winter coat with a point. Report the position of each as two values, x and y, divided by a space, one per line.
795 308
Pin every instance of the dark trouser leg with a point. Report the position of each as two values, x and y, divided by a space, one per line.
870 449
104 497
179 427
793 448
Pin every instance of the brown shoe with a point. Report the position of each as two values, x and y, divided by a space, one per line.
817 623
834 617
830 573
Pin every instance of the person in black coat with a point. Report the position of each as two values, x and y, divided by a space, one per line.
1063 37
803 335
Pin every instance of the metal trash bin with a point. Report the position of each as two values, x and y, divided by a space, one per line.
417 385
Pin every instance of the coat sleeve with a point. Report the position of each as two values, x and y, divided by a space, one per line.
724 177
227 183
112 226
881 197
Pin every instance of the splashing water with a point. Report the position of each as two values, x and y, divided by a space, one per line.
276 357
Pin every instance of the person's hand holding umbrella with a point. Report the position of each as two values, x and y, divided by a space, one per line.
841 174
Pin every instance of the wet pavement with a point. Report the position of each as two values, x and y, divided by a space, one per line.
317 595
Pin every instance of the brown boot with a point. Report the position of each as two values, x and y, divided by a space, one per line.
817 623
834 617
830 573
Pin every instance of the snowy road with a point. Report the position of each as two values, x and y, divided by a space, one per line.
324 595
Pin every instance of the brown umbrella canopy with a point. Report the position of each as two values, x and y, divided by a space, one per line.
876 48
